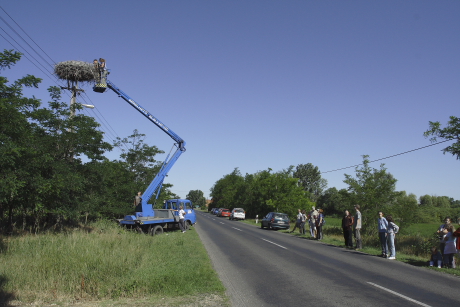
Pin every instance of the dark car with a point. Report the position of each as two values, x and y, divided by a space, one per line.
275 220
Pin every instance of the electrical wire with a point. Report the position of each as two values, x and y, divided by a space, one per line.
109 133
402 153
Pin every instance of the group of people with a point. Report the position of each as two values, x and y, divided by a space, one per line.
387 229
101 69
443 256
315 220
352 225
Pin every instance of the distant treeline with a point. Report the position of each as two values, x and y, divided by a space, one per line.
302 187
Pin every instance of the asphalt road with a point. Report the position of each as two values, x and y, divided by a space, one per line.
261 267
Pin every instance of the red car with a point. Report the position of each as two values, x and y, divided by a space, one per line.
225 212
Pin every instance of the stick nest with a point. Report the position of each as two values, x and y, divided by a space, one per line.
76 71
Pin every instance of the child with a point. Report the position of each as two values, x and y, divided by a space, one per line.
436 257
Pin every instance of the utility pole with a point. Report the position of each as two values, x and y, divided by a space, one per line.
73 87
73 72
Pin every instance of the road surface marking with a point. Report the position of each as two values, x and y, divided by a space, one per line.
237 229
274 243
400 295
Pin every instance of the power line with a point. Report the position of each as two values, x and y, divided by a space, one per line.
104 123
402 153
29 38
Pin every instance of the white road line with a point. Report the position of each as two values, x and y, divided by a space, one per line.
274 243
222 223
237 229
400 295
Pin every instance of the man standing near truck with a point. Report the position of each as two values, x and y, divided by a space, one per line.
137 202
182 219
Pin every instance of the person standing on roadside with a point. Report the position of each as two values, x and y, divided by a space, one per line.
392 230
450 249
313 217
303 221
442 234
298 221
457 235
319 225
347 223
357 228
383 225
181 214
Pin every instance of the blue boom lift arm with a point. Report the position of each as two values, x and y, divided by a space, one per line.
157 182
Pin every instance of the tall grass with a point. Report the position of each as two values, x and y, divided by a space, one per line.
105 261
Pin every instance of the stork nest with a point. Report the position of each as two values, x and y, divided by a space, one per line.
76 71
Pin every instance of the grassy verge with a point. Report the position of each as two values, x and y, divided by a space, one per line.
107 263
412 244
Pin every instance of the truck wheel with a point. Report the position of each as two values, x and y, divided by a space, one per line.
188 224
155 230
262 225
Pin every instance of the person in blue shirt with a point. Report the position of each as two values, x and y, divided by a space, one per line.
383 225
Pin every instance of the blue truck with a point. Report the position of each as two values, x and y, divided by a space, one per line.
148 219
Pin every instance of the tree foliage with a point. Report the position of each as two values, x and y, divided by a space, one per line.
197 198
450 132
44 181
310 179
260 193
373 190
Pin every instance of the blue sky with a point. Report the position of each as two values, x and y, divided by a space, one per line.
265 84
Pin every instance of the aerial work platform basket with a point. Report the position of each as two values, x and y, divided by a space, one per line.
100 87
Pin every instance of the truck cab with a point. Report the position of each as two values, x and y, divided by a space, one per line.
190 216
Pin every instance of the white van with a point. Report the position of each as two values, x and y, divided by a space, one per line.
237 214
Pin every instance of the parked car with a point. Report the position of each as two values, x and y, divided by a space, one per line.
237 214
225 213
275 220
212 210
219 211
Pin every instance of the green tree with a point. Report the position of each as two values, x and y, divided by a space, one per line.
261 192
426 201
450 132
225 191
41 172
310 179
333 201
139 158
403 208
372 189
197 198
16 135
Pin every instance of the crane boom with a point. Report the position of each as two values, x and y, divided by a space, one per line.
156 184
